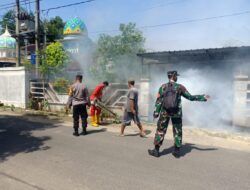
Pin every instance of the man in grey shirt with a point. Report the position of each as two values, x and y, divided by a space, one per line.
131 109
80 99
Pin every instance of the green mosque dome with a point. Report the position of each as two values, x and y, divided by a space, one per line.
75 26
6 41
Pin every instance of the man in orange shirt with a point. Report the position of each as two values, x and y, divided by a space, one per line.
95 111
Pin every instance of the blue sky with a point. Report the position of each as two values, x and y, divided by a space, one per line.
103 16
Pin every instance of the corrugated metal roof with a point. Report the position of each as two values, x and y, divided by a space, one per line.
194 51
198 55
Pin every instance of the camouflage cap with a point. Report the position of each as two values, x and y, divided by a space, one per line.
171 73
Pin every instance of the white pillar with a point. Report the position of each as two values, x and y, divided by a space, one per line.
144 98
241 112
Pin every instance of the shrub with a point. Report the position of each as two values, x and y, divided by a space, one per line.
61 85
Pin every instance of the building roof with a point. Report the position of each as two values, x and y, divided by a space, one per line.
75 26
198 54
6 41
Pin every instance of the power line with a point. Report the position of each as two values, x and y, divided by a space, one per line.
197 20
182 22
29 6
147 26
26 4
68 5
164 4
7 4
12 6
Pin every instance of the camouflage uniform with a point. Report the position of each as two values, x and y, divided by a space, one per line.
176 118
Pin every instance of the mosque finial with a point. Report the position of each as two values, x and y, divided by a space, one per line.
6 33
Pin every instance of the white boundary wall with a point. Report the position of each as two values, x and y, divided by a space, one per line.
14 86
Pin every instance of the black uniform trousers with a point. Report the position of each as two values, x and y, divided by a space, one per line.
80 111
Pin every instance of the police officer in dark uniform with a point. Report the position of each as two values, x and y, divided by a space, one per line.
168 107
80 99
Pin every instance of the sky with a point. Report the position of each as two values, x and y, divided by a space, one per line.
104 16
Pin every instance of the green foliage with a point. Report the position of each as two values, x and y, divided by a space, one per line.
54 59
12 107
61 85
56 55
115 54
26 63
8 20
54 28
30 103
45 105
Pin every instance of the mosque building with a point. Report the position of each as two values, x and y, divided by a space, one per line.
79 46
7 49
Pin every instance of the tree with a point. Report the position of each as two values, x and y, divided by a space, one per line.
8 20
54 28
55 59
115 56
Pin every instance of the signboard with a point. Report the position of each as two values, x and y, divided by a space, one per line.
33 59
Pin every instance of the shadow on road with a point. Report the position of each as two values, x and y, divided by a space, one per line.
185 149
132 135
147 132
96 131
16 136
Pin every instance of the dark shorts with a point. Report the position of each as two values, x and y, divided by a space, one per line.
129 116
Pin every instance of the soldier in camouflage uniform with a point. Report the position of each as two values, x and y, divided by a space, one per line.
174 115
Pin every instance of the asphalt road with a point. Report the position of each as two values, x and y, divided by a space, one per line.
45 156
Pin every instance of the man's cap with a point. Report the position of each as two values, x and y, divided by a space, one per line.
79 75
171 73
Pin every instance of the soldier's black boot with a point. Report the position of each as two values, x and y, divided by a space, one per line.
155 152
176 152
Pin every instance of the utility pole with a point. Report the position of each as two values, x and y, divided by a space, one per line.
45 42
26 43
37 35
45 35
18 54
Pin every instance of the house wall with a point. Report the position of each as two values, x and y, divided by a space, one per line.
215 78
